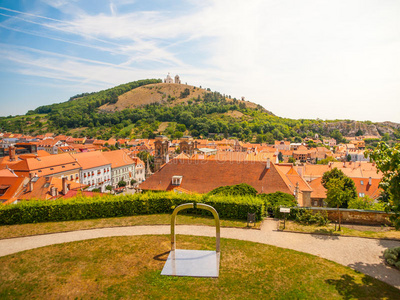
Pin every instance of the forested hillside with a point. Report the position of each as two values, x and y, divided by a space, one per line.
145 108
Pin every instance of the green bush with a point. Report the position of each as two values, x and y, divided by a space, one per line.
236 207
366 203
238 189
392 256
80 208
274 201
308 217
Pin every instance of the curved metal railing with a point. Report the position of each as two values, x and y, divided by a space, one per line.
200 206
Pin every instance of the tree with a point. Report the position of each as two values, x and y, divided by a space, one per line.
337 135
348 183
325 161
292 160
387 160
121 183
359 133
109 188
337 194
366 203
348 157
386 137
280 156
133 181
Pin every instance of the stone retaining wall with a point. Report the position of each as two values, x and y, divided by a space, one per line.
356 216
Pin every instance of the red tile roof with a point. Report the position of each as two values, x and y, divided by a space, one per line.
88 160
118 158
202 176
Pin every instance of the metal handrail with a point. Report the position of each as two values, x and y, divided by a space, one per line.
200 206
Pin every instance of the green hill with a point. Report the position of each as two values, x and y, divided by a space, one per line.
137 109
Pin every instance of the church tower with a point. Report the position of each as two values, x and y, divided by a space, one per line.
186 145
161 146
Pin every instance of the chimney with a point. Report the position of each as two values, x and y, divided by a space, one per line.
11 152
370 181
53 191
64 185
30 189
268 163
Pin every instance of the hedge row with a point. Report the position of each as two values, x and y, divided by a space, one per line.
80 208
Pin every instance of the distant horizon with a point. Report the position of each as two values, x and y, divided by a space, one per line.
311 59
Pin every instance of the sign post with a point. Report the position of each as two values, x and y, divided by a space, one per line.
285 211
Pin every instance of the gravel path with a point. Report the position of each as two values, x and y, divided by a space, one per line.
361 254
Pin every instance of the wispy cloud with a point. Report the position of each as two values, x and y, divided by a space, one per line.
278 54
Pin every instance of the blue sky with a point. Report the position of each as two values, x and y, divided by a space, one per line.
299 59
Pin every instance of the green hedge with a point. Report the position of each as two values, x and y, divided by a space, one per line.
80 208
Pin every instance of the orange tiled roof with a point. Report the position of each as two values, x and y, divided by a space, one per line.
202 176
47 165
372 190
319 192
14 185
118 158
93 159
42 187
7 173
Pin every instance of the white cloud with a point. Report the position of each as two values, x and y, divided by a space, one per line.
297 58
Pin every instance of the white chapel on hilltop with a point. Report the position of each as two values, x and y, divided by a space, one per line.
170 80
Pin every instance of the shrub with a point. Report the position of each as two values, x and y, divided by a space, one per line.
273 201
308 217
236 207
366 203
80 208
238 189
392 256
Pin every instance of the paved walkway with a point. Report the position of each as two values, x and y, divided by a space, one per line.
361 254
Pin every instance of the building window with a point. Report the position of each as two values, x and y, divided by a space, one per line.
362 182
361 194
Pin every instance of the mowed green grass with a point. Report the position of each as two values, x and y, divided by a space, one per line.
11 231
130 267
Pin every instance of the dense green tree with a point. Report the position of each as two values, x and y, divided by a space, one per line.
337 135
121 183
386 137
348 183
359 132
337 194
280 156
387 160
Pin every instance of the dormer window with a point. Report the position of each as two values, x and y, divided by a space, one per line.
176 180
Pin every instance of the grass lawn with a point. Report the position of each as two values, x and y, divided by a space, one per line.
158 219
130 267
329 229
